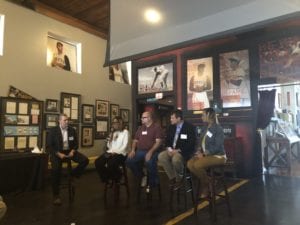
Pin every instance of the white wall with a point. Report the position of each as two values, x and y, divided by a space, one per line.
23 63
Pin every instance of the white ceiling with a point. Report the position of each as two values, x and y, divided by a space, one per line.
185 20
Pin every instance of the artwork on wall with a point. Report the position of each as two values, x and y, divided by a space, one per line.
155 78
124 113
51 105
70 104
87 113
61 54
280 59
199 83
101 128
235 79
87 136
17 93
102 108
119 73
51 120
114 111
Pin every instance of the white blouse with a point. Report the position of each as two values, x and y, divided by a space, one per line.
119 142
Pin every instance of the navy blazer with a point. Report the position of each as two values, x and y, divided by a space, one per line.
186 139
55 140
214 142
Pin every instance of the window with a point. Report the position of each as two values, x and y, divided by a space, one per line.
1 33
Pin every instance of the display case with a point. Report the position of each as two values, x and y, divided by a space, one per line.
21 124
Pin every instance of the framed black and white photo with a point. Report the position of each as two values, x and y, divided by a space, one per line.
70 105
101 128
155 78
102 108
87 113
235 79
51 120
51 105
87 136
114 111
124 113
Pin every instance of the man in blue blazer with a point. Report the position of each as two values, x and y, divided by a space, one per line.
180 146
62 143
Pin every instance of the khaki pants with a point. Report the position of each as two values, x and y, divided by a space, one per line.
198 166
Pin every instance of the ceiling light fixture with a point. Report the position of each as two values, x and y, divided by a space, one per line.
152 16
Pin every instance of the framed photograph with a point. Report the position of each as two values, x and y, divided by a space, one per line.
156 78
114 111
70 105
76 127
102 108
235 79
124 113
199 83
87 112
101 128
51 120
17 93
51 105
87 136
119 73
61 54
280 60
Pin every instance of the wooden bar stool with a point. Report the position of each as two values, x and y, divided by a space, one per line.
184 189
216 179
69 183
115 185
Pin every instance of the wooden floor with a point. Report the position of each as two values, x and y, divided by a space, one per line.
266 200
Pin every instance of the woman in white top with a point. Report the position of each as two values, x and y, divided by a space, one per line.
108 164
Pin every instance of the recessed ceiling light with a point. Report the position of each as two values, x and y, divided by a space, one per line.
152 16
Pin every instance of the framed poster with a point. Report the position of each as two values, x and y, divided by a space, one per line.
51 120
280 59
199 83
235 79
114 111
61 54
102 108
101 128
70 105
87 136
87 112
124 113
51 105
119 73
155 78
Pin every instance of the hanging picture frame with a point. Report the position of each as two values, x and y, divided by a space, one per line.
102 109
114 111
101 128
70 105
124 113
235 79
87 136
51 105
88 114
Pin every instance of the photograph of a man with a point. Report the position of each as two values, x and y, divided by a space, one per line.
60 60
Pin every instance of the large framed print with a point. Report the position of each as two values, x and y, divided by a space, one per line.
101 128
155 78
51 105
114 111
87 113
199 83
70 105
280 60
87 136
235 79
102 108
62 54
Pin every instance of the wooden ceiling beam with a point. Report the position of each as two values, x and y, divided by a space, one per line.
60 16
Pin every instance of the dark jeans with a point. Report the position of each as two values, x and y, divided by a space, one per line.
108 166
56 165
136 165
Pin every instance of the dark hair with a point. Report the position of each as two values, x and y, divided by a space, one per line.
59 43
120 120
210 112
177 113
